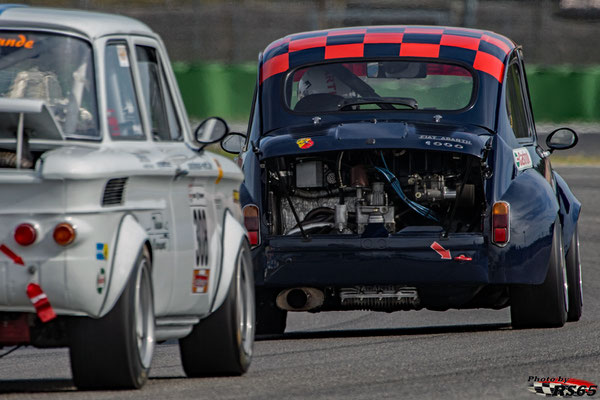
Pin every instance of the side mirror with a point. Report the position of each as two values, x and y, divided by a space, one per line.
211 130
561 139
233 143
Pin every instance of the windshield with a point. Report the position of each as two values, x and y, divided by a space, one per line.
54 68
379 85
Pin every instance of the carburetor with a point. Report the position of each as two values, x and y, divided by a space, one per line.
371 207
430 188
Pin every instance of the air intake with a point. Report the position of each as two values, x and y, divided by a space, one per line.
113 192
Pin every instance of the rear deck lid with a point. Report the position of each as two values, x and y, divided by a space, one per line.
374 135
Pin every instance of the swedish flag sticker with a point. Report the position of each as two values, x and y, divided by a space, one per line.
101 251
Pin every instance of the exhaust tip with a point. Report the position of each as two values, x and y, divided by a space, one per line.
297 298
300 299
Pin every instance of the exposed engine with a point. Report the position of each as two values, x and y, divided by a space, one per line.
374 193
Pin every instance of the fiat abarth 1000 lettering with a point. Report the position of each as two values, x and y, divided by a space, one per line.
117 229
397 167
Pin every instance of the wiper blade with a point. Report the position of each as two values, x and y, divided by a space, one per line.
382 102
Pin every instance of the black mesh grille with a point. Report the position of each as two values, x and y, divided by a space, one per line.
113 192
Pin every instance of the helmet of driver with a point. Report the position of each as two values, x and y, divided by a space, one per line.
318 80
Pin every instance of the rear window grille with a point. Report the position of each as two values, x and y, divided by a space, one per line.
113 192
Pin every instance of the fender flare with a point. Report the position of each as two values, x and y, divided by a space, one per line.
131 236
570 208
233 235
533 211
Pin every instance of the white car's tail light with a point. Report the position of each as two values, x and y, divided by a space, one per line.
25 234
252 223
501 223
64 234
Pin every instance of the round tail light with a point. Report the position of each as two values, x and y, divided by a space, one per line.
25 234
64 234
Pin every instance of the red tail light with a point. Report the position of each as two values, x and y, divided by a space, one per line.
25 234
501 223
252 223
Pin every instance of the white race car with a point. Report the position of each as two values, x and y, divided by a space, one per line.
117 229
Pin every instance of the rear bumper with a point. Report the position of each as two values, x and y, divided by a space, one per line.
403 260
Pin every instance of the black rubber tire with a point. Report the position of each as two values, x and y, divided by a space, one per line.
574 279
217 346
104 352
270 319
545 305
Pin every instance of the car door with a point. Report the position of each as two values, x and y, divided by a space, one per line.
126 127
191 191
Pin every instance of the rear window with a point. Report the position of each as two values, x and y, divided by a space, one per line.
379 85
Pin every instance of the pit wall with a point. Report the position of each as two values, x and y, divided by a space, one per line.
559 93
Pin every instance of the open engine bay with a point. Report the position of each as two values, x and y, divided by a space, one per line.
373 193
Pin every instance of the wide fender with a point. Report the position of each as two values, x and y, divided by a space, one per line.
233 235
533 211
131 236
570 208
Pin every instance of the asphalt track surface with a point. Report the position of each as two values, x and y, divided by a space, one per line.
361 355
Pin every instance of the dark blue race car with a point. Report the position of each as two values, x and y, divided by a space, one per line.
397 168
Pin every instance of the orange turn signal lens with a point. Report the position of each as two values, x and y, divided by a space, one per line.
500 208
64 234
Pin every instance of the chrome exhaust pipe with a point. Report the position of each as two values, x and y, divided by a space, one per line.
300 299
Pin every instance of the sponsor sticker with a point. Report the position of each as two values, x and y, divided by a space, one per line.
200 282
305 143
122 56
163 164
101 251
101 280
522 158
196 194
200 165
559 386
20 41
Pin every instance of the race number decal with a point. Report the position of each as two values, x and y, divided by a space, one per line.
522 158
200 226
198 204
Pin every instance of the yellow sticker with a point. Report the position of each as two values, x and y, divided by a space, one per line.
220 176
236 196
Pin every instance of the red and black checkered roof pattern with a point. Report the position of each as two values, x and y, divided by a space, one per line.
484 50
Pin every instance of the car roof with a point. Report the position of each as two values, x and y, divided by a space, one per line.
90 24
486 51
